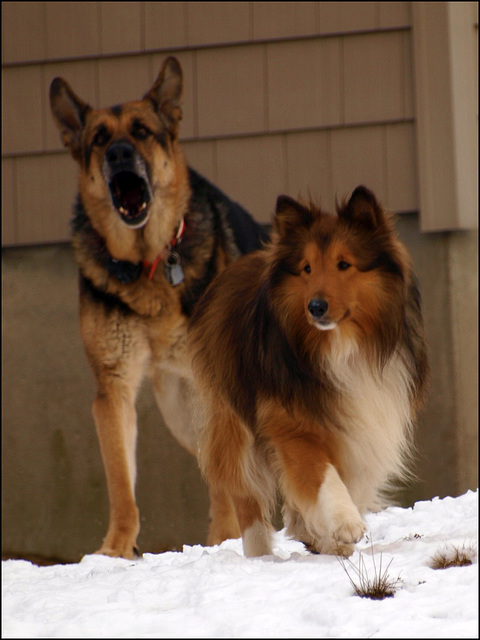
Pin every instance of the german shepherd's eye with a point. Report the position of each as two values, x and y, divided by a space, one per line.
343 266
101 137
140 131
307 268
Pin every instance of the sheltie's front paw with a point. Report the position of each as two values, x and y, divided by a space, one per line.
343 550
349 532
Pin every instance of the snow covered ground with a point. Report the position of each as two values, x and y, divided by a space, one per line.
215 592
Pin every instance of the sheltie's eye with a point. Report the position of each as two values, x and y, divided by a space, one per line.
343 266
307 268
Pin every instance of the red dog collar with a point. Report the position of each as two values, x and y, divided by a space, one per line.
173 243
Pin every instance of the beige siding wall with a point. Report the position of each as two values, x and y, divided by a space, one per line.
279 97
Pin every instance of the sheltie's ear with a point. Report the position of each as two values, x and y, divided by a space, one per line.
290 215
363 208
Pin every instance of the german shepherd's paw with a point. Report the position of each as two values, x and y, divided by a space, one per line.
121 543
128 551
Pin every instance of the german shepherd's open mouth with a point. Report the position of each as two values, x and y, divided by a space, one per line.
126 174
130 197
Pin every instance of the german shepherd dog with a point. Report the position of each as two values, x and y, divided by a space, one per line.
149 234
311 361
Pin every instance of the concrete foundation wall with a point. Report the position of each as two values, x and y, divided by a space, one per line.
54 499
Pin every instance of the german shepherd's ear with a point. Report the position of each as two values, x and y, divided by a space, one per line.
166 94
363 208
290 215
69 113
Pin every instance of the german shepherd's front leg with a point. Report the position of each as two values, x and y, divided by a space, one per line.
118 353
115 421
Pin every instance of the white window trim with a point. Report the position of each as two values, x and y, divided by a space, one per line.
445 38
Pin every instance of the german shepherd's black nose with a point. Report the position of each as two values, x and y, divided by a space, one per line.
120 156
317 307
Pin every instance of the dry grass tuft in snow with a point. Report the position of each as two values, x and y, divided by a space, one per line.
453 556
377 587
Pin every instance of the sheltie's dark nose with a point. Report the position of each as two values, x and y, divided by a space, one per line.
317 307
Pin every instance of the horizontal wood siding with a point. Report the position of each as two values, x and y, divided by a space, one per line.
289 97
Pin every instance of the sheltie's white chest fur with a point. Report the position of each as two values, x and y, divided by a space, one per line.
377 419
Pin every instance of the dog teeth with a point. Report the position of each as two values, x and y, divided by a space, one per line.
125 212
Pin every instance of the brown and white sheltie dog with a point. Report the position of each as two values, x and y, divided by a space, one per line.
311 361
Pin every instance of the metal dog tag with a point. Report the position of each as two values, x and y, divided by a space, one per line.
173 269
